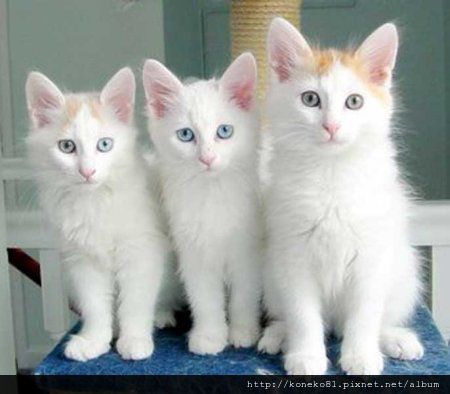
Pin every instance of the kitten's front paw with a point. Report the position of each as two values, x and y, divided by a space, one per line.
361 362
207 342
272 339
135 348
165 319
402 344
82 349
243 336
305 364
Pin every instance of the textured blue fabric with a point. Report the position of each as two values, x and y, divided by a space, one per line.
171 357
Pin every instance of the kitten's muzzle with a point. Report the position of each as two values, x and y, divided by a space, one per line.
207 160
87 173
331 128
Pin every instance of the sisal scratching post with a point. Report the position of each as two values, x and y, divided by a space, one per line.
249 22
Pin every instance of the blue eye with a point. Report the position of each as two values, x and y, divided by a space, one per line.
67 146
225 131
105 144
185 135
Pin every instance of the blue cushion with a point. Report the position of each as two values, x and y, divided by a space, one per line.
171 357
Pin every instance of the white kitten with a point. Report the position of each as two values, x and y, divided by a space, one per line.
338 254
206 138
93 187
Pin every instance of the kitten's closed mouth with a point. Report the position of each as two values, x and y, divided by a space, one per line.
87 182
333 142
210 172
208 169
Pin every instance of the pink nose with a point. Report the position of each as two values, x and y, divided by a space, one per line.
86 172
331 127
207 160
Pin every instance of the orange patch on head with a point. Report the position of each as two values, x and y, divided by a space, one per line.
94 107
323 61
73 105
356 64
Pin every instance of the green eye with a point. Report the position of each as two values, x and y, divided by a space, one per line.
354 101
311 99
105 144
185 135
67 146
225 131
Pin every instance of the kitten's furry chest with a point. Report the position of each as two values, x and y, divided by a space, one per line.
87 221
94 223
339 200
345 211
209 211
332 212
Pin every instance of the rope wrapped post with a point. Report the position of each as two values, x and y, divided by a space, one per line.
249 22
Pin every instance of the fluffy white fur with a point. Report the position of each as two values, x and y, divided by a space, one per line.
213 208
113 243
338 254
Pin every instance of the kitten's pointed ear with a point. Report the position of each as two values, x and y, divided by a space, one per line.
379 52
118 94
44 99
162 88
239 81
286 48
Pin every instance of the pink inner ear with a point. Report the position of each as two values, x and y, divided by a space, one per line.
160 98
122 108
242 94
379 75
118 95
40 118
379 52
281 64
380 63
44 102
